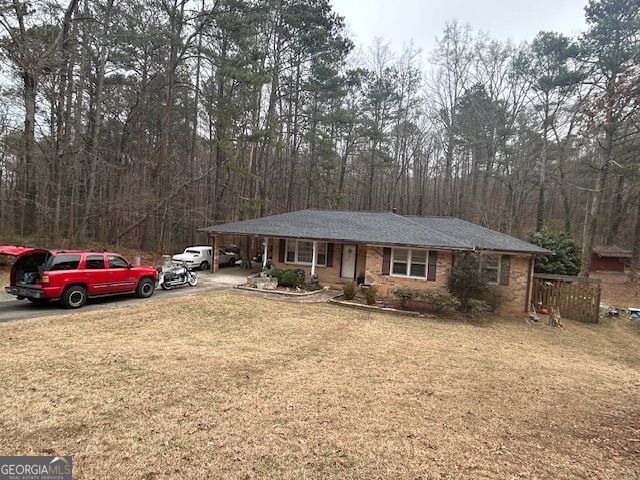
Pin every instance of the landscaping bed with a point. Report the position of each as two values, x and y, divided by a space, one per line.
283 290
284 282
414 308
390 307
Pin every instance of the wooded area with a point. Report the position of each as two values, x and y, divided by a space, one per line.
138 122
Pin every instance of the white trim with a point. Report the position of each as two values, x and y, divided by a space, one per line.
265 254
408 262
316 245
314 257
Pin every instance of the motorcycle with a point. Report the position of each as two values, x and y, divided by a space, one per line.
177 276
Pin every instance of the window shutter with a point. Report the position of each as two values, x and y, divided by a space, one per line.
431 272
329 261
505 269
282 251
386 261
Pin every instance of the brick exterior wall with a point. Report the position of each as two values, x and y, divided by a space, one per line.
515 293
369 260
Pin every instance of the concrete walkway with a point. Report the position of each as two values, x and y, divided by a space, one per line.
231 276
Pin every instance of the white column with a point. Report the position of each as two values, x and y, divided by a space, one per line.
315 256
266 252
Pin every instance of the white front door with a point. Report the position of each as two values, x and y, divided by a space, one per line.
348 269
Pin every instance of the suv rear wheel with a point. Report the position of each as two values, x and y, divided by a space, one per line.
204 265
74 296
145 288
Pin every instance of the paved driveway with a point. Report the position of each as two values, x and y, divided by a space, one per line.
12 309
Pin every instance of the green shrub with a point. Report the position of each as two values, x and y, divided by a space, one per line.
478 306
441 301
404 294
275 273
289 279
565 259
466 280
370 295
349 291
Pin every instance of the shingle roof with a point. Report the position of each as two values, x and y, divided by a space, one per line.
481 238
612 251
381 228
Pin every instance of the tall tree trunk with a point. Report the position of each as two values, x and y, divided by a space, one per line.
618 212
635 258
543 167
591 220
95 122
566 205
28 211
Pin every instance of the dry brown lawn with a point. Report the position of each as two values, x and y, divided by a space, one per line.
231 386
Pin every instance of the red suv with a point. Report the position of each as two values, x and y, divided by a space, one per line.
73 276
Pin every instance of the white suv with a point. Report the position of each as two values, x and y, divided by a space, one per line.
200 257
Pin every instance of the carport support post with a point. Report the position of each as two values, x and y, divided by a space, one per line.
214 254
266 252
315 256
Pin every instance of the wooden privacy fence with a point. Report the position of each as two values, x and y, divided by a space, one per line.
577 298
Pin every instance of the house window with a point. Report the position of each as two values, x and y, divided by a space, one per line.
305 252
301 252
418 266
409 263
291 251
400 261
491 268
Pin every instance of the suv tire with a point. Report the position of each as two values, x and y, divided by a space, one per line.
145 288
204 265
74 296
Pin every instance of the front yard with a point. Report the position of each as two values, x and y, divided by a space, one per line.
232 386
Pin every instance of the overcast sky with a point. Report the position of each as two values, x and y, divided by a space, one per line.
401 21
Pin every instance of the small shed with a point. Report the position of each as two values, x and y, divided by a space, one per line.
610 258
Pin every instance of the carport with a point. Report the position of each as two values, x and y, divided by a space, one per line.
250 245
230 276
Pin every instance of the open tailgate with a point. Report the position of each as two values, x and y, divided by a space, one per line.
18 251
